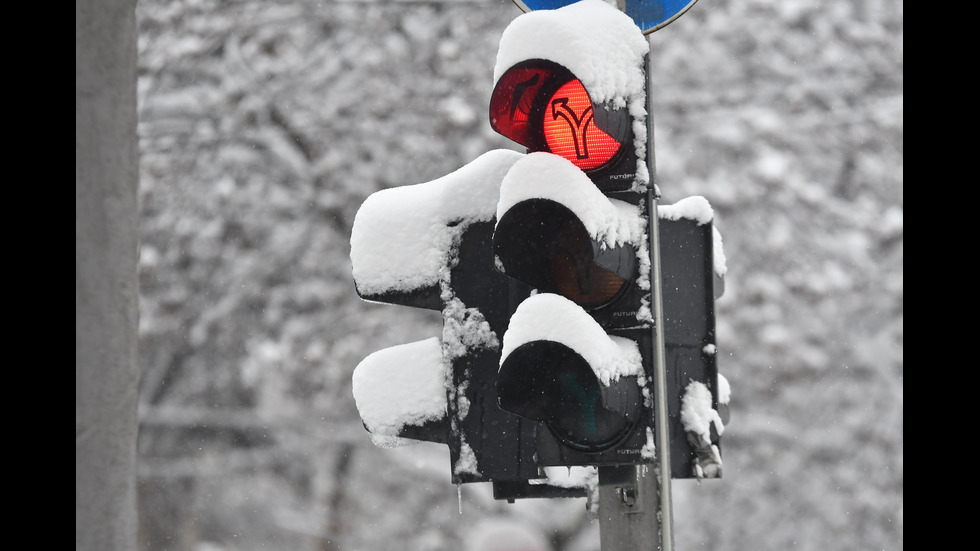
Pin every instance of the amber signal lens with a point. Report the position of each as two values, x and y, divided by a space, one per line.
576 276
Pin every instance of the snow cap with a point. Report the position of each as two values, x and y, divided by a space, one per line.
602 46
401 237
549 176
398 386
551 317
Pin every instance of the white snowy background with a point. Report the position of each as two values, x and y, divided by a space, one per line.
265 124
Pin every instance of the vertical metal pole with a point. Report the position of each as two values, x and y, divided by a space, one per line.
635 508
662 436
659 362
628 504
107 371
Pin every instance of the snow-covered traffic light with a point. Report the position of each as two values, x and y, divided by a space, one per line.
573 223
541 265
543 106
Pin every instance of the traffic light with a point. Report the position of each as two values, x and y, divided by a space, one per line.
540 264
573 224
692 270
544 107
428 246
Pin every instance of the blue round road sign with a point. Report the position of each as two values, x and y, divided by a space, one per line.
649 15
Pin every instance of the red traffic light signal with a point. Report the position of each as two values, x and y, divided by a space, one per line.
544 107
571 81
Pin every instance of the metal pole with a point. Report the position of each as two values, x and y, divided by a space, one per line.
107 372
635 508
659 362
628 503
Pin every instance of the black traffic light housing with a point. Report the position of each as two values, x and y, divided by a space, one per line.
524 270
576 355
550 238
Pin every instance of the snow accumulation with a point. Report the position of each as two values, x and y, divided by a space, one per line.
694 208
547 176
398 386
551 317
600 45
569 477
724 390
697 415
401 237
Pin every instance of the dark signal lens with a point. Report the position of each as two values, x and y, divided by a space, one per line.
570 129
574 273
549 382
582 422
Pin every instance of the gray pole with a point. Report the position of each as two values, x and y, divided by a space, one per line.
628 509
635 506
659 357
106 239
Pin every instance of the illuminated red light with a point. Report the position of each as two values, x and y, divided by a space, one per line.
570 130
542 106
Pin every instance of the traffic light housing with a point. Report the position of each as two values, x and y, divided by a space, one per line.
540 265
573 224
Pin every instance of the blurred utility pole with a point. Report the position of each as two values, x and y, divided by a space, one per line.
106 292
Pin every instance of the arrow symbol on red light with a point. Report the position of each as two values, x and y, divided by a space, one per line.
578 125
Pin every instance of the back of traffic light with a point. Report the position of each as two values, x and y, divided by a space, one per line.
428 246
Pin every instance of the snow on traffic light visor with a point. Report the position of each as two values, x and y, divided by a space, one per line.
542 106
